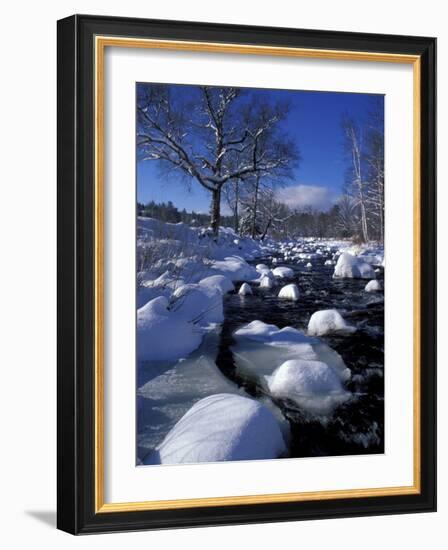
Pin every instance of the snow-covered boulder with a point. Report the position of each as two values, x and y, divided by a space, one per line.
298 376
198 303
373 286
220 282
221 427
313 385
309 264
289 292
262 268
266 282
328 321
353 267
283 272
162 334
245 290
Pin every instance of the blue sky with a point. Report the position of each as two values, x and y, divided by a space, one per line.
314 122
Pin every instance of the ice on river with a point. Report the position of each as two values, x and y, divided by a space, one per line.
261 349
221 427
328 321
168 389
353 267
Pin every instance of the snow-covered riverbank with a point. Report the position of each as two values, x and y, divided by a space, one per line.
183 278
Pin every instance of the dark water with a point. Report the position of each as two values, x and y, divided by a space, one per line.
357 426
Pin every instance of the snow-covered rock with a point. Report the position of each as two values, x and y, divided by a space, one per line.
156 326
224 284
373 286
353 267
283 272
221 427
266 282
262 268
313 385
289 292
309 264
328 321
245 290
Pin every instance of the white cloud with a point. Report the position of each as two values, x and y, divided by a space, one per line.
300 196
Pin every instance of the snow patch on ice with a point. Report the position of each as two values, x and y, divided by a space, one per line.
260 349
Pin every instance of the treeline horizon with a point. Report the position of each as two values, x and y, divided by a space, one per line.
296 223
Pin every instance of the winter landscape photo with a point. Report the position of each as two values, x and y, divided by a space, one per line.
259 274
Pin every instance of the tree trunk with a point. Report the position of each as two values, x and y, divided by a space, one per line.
268 225
236 219
215 211
254 218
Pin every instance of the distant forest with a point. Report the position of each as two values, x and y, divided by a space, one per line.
286 224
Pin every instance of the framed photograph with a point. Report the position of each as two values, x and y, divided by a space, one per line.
246 274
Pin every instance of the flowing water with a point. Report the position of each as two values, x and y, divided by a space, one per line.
357 426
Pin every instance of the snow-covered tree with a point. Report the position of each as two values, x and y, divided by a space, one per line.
212 136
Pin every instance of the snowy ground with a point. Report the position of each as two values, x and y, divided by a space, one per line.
183 276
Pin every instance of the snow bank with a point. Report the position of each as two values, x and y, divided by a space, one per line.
156 326
197 303
234 268
353 267
283 272
221 427
222 283
328 321
373 286
289 292
245 290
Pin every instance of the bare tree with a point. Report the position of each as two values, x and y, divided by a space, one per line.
218 138
353 137
375 166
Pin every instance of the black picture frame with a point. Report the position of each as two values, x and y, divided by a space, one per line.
76 286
